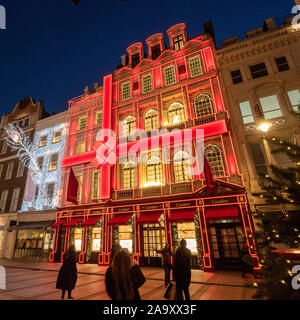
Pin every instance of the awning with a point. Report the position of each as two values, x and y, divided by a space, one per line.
34 225
91 221
222 212
72 223
182 215
58 223
120 219
149 217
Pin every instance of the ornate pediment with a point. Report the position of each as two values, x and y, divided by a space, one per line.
122 74
223 188
23 109
167 55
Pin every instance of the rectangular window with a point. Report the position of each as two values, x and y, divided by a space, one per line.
96 236
95 185
56 136
3 200
169 74
50 191
178 43
53 161
155 51
195 66
99 118
14 200
1 170
259 161
270 107
282 64
246 112
36 195
181 69
126 90
26 122
9 170
20 170
80 147
236 76
147 83
294 96
82 123
135 60
40 162
258 70
4 146
43 140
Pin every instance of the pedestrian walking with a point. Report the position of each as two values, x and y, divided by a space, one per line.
247 263
166 254
123 278
67 276
182 271
114 249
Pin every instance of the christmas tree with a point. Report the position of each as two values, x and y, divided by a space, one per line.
281 187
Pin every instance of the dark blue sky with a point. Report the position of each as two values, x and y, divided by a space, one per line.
52 49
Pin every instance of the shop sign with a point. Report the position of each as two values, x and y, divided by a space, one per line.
220 201
183 204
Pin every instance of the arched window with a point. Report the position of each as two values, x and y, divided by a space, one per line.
153 171
182 166
128 175
214 156
151 120
175 113
129 125
203 105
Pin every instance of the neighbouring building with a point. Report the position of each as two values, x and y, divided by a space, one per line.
145 205
12 172
38 212
260 75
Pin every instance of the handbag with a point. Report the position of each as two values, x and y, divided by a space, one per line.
170 291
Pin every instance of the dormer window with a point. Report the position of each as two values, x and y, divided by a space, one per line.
155 51
178 42
135 60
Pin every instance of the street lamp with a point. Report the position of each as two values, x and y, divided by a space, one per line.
264 126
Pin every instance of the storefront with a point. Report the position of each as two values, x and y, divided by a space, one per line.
34 240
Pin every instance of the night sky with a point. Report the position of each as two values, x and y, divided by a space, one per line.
52 49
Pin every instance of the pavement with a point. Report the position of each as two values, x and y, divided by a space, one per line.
31 280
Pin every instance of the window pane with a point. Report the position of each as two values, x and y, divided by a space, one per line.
169 74
294 96
195 66
125 90
147 83
270 107
246 112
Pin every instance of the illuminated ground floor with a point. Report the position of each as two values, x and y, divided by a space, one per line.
215 228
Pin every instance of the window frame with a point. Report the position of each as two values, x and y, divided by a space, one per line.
123 96
258 74
170 67
191 65
178 42
151 117
54 138
80 123
208 105
41 145
181 113
182 167
144 85
220 162
51 168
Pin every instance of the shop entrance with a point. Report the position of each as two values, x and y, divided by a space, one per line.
227 241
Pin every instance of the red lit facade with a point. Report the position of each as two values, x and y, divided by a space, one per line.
146 205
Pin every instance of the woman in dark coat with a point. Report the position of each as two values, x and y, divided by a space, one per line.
67 275
123 278
166 253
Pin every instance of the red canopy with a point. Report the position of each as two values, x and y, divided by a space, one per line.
149 217
120 219
222 212
72 222
91 221
58 223
182 215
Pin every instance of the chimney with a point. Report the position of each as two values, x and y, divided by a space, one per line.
124 59
208 28
269 24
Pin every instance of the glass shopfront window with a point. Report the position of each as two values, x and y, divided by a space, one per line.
78 239
96 239
125 237
186 230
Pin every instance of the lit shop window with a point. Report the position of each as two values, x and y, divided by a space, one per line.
95 185
126 90
169 74
186 230
129 126
125 237
43 140
80 147
151 120
147 83
78 239
128 175
56 136
96 236
294 96
246 112
182 166
176 113
153 172
214 156
82 123
270 107
53 161
178 43
203 105
195 66
99 118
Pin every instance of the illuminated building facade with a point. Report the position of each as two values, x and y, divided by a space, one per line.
145 205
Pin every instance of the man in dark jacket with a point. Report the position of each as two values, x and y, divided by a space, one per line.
182 271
